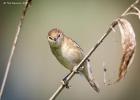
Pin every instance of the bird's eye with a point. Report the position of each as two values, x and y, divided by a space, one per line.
50 38
58 35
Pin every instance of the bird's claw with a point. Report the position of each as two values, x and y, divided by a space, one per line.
65 83
75 70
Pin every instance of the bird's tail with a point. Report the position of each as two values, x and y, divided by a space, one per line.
88 73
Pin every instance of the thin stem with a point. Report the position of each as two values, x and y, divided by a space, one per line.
137 9
132 13
130 7
13 47
114 23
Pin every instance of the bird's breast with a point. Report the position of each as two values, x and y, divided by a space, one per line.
71 55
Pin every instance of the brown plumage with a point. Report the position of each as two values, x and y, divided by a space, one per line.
69 54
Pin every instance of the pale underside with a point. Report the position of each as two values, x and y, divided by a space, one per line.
69 54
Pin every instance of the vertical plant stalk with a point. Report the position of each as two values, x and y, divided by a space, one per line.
28 2
114 23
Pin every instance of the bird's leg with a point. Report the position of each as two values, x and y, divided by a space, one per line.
64 81
80 69
65 78
75 70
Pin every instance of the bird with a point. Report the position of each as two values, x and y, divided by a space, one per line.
69 54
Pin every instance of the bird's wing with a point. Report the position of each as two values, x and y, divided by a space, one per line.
75 44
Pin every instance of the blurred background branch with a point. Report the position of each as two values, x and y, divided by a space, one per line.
27 4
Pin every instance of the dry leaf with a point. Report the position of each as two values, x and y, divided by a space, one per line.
128 46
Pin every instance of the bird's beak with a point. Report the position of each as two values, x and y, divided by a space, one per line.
55 39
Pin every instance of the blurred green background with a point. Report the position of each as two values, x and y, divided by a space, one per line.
35 73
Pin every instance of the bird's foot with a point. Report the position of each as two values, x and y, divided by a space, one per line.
65 83
75 69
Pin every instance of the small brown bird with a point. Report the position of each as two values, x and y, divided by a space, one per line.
69 54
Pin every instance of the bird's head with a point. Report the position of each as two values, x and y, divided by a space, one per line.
55 37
